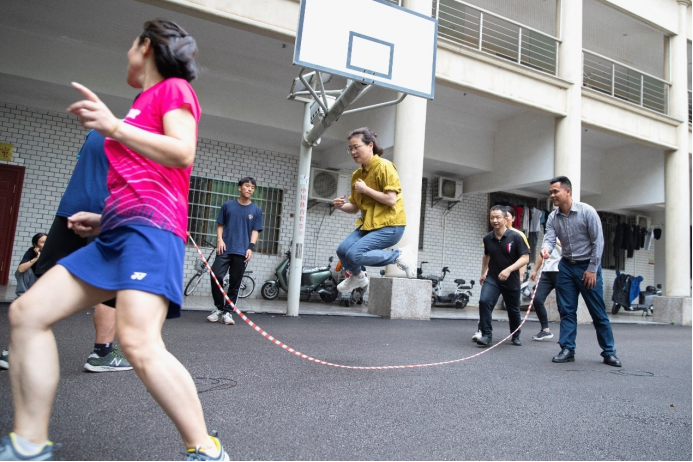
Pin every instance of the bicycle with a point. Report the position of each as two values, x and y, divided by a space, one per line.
247 282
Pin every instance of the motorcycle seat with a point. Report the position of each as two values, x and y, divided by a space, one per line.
460 281
315 269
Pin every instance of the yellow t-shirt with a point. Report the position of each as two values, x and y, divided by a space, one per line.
381 175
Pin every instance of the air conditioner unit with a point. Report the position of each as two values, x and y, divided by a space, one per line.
643 221
447 189
326 185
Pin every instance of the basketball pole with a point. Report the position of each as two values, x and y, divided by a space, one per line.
311 137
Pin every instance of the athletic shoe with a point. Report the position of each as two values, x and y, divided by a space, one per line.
403 264
543 335
351 283
112 362
214 317
4 359
476 336
197 454
227 319
8 451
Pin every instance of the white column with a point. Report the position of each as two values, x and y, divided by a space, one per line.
568 132
677 202
410 135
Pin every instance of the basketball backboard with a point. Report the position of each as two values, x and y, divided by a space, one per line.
374 41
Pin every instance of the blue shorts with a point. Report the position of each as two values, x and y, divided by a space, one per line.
133 257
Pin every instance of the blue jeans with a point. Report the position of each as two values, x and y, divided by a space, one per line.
569 287
490 292
365 248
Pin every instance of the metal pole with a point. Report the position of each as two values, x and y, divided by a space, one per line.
613 78
301 210
519 45
481 29
310 136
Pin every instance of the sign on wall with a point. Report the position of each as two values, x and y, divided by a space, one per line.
6 151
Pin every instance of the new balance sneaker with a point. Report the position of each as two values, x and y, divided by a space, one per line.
402 263
542 335
197 454
9 450
112 362
351 283
227 318
4 359
476 336
214 317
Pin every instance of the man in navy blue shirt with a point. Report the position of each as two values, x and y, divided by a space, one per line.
238 226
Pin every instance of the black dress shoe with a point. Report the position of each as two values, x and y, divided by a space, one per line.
517 341
612 360
565 356
484 341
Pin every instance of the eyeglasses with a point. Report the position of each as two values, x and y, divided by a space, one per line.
351 149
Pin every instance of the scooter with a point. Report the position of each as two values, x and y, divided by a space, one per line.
645 301
462 293
318 280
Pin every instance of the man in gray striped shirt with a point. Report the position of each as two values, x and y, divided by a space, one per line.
579 229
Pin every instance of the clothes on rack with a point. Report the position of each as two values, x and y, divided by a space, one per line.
526 217
535 222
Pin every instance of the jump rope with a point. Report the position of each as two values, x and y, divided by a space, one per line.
361 368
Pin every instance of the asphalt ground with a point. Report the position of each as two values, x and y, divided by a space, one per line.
511 403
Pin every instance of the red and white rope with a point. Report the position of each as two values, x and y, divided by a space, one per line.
362 368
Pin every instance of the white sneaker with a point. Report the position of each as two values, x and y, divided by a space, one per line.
227 319
214 317
476 336
402 263
352 282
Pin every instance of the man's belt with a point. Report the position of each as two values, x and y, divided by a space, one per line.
570 261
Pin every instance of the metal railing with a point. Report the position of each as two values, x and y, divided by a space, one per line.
624 82
690 111
474 27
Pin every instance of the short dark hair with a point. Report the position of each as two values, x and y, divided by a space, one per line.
565 182
247 179
35 239
510 210
174 49
498 207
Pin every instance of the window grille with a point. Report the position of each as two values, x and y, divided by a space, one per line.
609 223
206 197
422 216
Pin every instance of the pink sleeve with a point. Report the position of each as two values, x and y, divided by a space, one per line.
176 94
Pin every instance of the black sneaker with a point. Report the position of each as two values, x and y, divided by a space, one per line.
543 335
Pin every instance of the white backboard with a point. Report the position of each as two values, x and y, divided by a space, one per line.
374 41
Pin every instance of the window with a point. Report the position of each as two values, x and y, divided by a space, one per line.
206 197
422 215
611 259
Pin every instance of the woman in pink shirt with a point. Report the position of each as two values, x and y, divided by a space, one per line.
138 256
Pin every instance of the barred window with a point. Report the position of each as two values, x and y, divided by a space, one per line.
422 216
612 259
206 197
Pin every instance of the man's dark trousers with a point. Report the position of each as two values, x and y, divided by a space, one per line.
547 283
235 265
490 292
570 287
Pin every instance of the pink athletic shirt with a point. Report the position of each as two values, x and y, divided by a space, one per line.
144 192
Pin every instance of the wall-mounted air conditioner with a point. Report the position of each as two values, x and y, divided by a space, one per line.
447 189
643 221
326 185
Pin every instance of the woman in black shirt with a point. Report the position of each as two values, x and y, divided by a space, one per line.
25 274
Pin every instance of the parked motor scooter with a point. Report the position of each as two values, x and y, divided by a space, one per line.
462 293
318 280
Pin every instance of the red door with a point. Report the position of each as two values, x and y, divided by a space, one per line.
11 180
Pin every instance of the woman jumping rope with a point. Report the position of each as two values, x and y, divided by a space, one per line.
377 194
137 258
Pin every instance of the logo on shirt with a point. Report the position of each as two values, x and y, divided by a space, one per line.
250 217
138 276
509 246
132 113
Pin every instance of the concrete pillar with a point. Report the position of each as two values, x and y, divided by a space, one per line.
410 135
568 133
677 217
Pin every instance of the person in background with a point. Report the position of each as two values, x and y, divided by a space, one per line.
547 283
25 271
